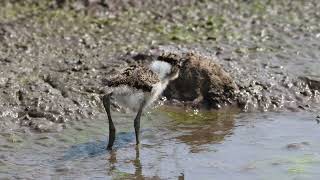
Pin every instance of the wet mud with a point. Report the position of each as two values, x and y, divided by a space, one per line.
54 55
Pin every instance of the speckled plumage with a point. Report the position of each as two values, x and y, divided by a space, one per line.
139 86
138 77
171 58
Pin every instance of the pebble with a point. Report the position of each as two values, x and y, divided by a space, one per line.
297 146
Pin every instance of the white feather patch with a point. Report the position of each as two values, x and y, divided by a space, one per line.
157 91
161 68
128 97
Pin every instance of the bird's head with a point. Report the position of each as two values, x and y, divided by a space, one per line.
173 59
176 62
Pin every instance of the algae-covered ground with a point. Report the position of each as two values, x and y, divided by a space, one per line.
54 54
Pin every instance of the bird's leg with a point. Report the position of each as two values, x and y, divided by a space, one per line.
137 164
112 129
137 121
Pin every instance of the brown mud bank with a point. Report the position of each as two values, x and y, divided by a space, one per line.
45 98
53 56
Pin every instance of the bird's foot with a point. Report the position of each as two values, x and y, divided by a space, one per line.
109 148
138 145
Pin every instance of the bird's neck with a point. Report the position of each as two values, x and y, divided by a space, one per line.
165 71
174 74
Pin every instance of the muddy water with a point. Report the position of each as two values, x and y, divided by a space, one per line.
175 145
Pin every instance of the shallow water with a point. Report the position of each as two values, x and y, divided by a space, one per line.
175 145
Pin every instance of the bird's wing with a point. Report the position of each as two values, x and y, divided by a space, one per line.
138 77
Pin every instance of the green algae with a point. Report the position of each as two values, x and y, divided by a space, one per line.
14 138
189 23
290 166
118 175
301 164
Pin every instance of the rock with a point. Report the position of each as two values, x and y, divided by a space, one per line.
313 82
297 146
43 125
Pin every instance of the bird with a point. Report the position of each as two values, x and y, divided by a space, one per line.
138 86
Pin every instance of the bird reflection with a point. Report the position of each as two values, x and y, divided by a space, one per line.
137 165
201 128
181 177
112 162
113 171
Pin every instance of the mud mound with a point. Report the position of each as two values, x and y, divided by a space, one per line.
253 87
202 81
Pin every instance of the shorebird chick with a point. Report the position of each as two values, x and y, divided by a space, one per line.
137 86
